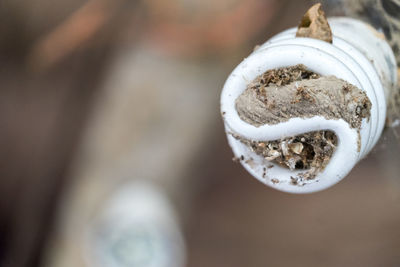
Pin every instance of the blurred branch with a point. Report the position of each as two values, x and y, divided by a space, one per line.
230 28
79 28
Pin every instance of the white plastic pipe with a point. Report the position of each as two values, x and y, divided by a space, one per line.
357 55
137 227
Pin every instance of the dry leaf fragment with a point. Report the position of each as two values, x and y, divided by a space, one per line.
315 25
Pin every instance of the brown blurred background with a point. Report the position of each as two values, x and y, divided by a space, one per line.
97 93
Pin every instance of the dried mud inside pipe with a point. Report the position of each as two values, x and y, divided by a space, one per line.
295 92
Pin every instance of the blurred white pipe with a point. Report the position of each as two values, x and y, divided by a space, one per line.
137 227
358 55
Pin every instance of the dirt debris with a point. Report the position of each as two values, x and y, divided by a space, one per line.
310 151
315 25
291 92
275 181
284 76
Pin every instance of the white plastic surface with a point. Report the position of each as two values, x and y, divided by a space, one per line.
370 67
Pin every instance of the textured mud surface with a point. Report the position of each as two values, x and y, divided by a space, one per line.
295 92
281 94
